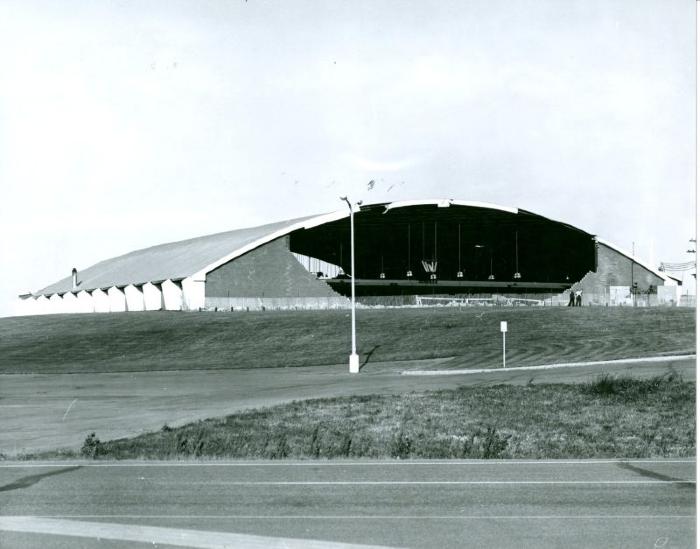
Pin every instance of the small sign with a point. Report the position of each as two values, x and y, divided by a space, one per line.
504 326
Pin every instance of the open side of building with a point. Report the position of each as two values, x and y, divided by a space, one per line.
433 247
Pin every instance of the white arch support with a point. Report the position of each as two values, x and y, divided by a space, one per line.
172 295
117 300
42 305
152 297
193 294
134 298
101 301
85 302
70 303
56 304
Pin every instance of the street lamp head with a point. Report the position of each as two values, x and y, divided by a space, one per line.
347 201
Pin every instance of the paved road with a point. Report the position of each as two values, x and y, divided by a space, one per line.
506 504
42 411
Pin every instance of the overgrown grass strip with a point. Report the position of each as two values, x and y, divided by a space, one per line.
609 417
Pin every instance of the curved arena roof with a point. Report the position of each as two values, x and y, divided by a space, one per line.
196 257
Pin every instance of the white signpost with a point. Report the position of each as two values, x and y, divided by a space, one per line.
504 329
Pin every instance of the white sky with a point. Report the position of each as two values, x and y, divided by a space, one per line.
127 124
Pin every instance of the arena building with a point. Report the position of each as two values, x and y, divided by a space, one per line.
409 248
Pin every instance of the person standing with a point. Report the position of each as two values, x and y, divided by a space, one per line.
579 293
571 299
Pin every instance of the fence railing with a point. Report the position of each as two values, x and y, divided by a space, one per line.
464 300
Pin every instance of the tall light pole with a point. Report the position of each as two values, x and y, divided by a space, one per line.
354 358
632 288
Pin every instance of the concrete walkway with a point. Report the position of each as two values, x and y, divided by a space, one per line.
611 363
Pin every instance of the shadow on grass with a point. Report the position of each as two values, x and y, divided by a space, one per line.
368 356
31 480
682 483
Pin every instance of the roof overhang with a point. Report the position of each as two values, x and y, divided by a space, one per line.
341 214
305 224
447 202
667 279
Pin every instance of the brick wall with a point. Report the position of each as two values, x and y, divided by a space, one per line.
268 271
614 269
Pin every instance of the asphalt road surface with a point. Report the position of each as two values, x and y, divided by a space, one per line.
48 411
504 504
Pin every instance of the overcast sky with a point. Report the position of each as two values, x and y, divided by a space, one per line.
127 124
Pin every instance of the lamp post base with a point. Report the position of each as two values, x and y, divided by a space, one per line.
354 363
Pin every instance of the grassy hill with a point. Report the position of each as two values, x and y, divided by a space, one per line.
179 340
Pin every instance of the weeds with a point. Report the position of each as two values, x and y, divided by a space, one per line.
400 446
493 444
608 417
92 447
345 445
279 448
609 385
315 446
604 385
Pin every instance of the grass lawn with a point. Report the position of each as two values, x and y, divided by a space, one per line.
609 417
180 340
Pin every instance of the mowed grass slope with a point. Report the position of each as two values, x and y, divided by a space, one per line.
183 340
